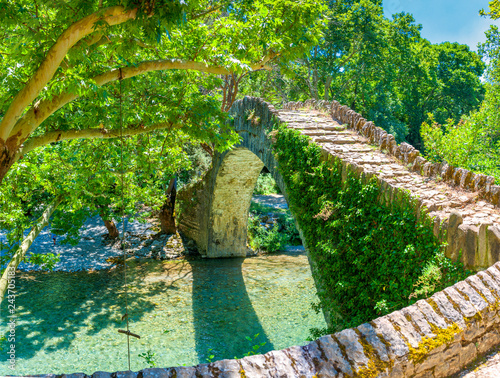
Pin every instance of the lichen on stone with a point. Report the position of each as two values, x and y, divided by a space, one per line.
443 336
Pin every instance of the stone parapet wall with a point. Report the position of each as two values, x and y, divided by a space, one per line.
435 337
408 154
464 205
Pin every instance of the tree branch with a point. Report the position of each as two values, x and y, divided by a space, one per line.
80 29
91 133
26 244
43 109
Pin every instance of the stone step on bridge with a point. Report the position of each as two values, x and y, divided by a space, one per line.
434 337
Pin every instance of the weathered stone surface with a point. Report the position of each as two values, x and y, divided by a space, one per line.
447 309
405 328
101 374
465 307
432 317
371 337
493 246
488 341
322 365
418 318
334 355
490 283
468 354
125 374
476 283
352 348
299 361
385 330
454 246
156 373
472 295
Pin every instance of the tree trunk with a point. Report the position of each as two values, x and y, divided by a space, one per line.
40 224
167 219
327 88
111 226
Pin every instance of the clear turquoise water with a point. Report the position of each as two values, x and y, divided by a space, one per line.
184 312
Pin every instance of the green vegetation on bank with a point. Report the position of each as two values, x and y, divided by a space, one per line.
371 259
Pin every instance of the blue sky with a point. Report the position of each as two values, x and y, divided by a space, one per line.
446 20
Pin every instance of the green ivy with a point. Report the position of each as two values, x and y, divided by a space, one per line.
371 259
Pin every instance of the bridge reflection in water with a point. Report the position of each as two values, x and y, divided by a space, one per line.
223 313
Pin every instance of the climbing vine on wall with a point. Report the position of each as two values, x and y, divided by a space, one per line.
370 259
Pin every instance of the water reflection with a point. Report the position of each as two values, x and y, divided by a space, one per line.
223 313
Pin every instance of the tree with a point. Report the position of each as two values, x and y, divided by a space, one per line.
103 42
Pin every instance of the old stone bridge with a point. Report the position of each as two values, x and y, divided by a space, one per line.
435 337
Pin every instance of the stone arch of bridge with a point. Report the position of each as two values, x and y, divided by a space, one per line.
215 212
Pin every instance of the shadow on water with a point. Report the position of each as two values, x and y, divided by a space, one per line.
54 309
223 312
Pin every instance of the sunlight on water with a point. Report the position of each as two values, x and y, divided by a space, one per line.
184 311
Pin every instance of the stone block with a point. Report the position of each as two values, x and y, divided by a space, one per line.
452 350
465 179
457 174
453 248
418 318
490 283
466 308
301 364
256 366
125 374
74 375
317 358
156 373
473 296
225 369
371 338
442 370
429 363
455 364
101 374
405 328
470 250
349 339
478 182
431 316
494 273
447 309
493 244
482 256
495 195
334 354
488 341
468 354
385 330
477 284
183 372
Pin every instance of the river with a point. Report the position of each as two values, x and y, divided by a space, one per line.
186 312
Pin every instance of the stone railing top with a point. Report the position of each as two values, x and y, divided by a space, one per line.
441 188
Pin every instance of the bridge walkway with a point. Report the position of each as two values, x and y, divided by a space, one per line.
440 198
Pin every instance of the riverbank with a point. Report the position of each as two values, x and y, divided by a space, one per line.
96 252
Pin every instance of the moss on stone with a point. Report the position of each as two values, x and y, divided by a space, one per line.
375 363
443 336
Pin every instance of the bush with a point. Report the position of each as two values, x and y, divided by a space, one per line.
266 185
